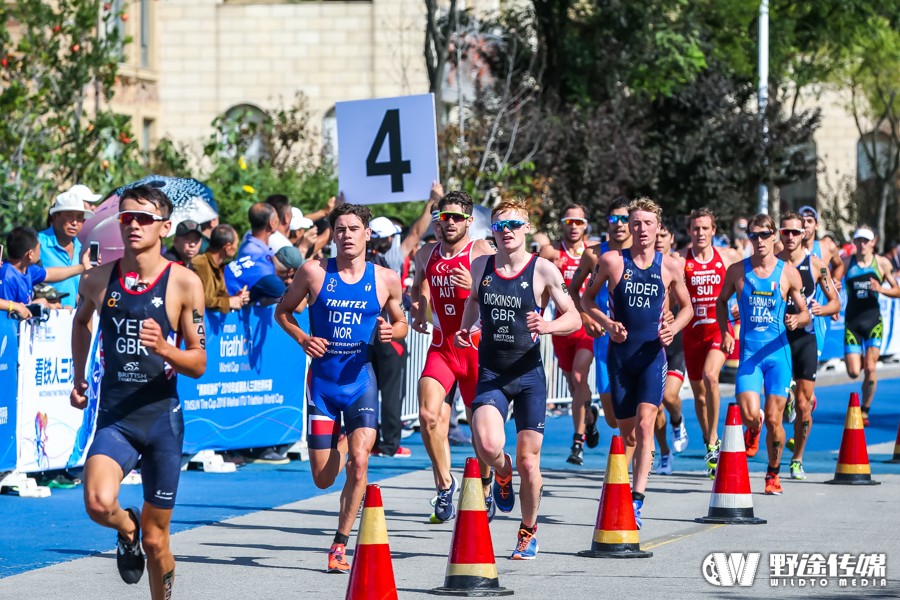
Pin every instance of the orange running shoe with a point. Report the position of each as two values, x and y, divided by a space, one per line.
773 485
751 441
336 561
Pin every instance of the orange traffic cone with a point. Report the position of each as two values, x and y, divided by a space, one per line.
853 459
896 457
372 574
471 570
731 501
616 532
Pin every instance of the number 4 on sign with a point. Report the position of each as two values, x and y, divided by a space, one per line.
395 166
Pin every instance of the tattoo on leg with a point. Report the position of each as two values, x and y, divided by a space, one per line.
168 580
805 429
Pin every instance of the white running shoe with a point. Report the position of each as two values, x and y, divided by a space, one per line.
679 438
665 464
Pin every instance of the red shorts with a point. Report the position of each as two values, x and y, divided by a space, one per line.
698 342
447 364
566 346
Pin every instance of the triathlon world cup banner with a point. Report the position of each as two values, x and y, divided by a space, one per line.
253 392
9 356
46 422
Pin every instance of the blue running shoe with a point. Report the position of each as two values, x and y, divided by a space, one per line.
527 548
504 494
443 506
490 506
638 505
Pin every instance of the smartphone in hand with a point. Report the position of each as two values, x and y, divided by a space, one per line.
94 253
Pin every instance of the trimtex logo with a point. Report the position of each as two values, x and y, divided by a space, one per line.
728 570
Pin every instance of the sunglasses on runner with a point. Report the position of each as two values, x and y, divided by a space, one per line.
791 232
456 217
573 221
142 217
614 219
760 235
511 224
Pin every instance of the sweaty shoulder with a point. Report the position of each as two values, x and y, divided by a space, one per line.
673 264
93 281
387 276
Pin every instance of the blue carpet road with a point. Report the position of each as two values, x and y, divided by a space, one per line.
39 532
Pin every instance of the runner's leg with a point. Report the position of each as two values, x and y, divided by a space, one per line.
155 538
434 424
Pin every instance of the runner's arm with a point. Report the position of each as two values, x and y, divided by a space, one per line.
679 293
293 297
589 299
585 267
824 281
81 337
420 293
470 310
567 318
894 290
729 287
418 228
394 304
836 263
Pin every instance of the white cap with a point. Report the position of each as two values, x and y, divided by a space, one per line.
864 233
382 227
298 221
73 199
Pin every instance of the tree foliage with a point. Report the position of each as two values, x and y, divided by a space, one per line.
58 71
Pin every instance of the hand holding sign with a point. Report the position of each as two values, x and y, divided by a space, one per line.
387 149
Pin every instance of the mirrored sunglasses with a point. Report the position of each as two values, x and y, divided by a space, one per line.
142 217
456 217
511 224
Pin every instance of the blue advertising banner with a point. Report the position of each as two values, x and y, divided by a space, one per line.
253 392
9 360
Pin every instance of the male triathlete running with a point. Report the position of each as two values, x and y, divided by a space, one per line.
346 295
509 291
763 283
443 277
704 273
640 279
146 306
804 353
575 352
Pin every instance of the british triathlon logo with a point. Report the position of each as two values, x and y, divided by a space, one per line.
728 570
486 281
332 285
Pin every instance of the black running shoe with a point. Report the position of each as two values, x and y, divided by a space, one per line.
577 455
592 434
129 557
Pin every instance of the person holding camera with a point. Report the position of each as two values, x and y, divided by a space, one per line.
59 243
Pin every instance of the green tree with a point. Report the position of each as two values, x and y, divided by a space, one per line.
59 70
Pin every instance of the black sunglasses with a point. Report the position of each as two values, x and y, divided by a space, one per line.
762 235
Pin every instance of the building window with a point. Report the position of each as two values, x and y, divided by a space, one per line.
145 33
329 135
147 138
243 123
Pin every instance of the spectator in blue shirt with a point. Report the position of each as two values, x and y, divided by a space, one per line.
254 267
19 274
59 243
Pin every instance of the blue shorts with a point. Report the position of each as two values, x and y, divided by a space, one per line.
773 369
528 391
636 376
601 374
327 401
156 443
